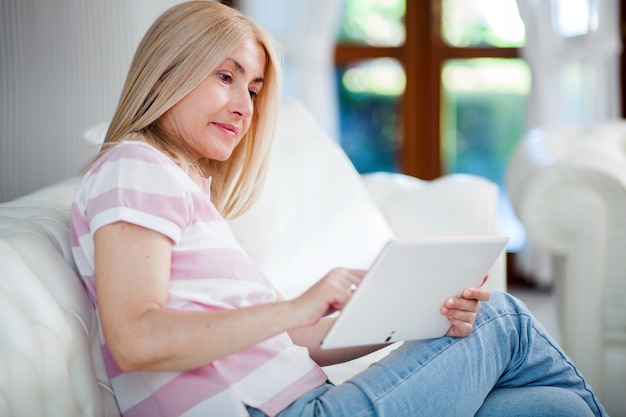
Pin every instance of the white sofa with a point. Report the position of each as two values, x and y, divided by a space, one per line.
568 187
317 213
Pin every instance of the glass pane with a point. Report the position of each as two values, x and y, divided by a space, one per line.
482 23
483 119
369 98
373 22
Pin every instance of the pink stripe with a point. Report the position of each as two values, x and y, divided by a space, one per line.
238 365
204 210
194 387
180 394
215 263
110 365
173 209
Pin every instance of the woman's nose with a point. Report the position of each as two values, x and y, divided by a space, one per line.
242 104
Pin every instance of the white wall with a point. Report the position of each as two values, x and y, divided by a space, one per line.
62 67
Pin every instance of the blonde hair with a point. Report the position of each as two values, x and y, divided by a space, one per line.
181 48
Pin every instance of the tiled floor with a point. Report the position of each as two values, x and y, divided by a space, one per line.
542 303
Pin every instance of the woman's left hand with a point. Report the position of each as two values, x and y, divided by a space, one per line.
462 311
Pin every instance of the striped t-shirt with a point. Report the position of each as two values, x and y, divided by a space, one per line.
136 183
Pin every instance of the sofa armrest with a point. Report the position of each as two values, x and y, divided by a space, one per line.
568 188
456 204
578 214
51 363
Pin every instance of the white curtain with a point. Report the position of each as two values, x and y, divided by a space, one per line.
575 79
306 31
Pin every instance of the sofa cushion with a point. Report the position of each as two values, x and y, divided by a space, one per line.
455 204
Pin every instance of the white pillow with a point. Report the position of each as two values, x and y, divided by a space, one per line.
95 135
315 212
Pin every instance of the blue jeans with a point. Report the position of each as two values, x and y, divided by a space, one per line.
464 376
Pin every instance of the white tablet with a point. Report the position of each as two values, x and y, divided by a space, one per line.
400 296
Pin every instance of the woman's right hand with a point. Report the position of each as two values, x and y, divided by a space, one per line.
329 294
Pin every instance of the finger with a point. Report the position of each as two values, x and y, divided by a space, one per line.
461 316
459 328
485 279
358 273
351 288
478 294
461 304
353 278
346 282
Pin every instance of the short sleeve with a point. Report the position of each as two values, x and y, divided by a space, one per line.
138 184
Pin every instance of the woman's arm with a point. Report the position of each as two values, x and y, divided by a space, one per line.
133 274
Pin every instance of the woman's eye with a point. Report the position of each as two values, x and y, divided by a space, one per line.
253 94
227 78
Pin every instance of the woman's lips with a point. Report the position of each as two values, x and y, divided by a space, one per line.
228 128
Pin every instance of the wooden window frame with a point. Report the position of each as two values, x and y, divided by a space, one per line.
422 56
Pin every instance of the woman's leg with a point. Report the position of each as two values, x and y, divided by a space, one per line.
533 402
454 376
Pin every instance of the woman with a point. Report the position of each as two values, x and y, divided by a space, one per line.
190 326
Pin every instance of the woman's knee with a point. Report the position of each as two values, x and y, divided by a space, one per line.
506 301
542 401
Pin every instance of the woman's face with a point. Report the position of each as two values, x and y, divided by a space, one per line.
212 119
